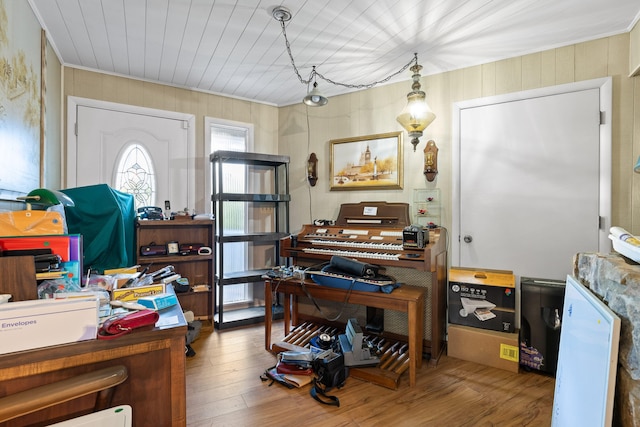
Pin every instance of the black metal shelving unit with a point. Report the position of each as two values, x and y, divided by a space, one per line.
266 204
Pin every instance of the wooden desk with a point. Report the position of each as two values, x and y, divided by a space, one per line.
408 299
155 359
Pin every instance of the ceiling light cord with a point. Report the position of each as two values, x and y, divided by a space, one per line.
368 85
288 45
314 73
308 154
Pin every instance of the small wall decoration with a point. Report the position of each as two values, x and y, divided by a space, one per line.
372 162
430 160
312 169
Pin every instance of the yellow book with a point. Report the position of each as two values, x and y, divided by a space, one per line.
47 275
123 270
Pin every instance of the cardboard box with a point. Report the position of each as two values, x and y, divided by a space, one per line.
25 325
491 348
159 301
482 298
133 294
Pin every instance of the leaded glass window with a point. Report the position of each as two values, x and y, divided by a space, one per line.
135 175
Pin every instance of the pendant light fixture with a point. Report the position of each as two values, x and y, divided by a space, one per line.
416 115
315 98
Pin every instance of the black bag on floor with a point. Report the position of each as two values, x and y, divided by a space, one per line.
193 331
331 373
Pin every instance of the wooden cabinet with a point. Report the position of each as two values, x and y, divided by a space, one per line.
199 269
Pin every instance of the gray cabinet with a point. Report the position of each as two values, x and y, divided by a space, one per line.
250 195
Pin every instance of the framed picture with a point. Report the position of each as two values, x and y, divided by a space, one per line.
372 162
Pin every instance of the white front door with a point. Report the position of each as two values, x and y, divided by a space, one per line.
530 183
105 131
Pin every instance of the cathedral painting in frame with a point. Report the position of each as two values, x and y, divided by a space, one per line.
372 162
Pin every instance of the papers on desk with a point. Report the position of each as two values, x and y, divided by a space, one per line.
166 321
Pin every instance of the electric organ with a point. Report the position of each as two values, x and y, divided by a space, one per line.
372 232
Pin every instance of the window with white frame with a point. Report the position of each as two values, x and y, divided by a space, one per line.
232 136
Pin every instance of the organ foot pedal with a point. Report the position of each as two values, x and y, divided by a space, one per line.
390 356
300 337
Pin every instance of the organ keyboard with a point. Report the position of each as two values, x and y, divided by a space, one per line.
367 231
371 232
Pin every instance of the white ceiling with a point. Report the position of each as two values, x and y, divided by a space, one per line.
236 47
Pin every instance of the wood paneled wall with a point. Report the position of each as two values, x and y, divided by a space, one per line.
634 50
52 123
374 111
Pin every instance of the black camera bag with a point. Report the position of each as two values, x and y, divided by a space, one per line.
331 373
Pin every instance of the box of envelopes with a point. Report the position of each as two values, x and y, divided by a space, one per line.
26 325
482 298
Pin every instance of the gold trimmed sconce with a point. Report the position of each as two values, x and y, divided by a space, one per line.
430 160
312 169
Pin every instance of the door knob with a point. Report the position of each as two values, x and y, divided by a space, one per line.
467 239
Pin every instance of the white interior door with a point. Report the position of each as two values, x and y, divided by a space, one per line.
104 131
530 183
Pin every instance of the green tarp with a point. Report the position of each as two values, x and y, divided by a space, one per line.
106 220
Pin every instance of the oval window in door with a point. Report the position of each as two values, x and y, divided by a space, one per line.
135 175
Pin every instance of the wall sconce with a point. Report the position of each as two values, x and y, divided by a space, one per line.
430 160
312 169
416 115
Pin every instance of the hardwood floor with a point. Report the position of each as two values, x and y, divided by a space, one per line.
224 389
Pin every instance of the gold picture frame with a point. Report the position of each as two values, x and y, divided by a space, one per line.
372 162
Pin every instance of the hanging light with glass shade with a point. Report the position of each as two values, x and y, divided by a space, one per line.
416 115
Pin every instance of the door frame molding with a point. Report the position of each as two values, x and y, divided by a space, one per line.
73 102
605 86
